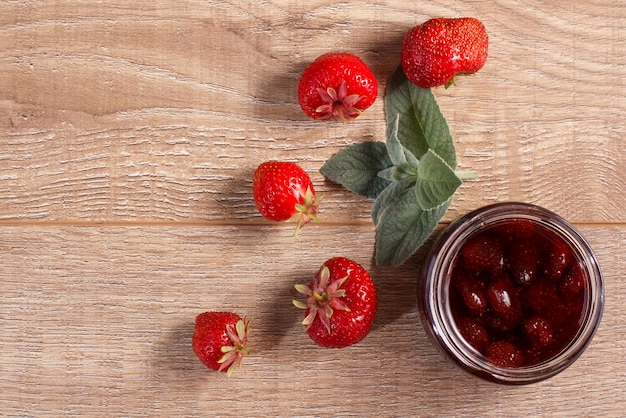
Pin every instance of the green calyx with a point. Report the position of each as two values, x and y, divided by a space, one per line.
233 354
307 211
338 104
322 298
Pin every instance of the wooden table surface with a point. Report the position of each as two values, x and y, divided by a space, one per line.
129 132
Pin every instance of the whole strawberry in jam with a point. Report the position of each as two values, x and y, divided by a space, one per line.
283 190
341 303
504 354
504 303
572 284
436 51
337 85
538 331
558 258
471 290
523 260
474 333
482 253
219 340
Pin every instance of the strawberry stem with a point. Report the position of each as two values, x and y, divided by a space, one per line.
466 175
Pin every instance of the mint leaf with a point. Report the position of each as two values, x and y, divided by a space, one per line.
394 146
436 181
405 163
398 153
356 168
422 126
388 196
404 227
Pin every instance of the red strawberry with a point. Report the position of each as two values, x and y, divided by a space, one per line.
219 340
482 253
504 354
557 260
522 260
471 288
341 303
436 51
515 228
337 85
504 304
543 299
283 190
473 332
572 284
538 331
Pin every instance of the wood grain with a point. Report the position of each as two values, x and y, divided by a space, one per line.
163 114
129 132
98 320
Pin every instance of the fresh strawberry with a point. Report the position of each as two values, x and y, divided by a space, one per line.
522 260
436 51
219 340
504 354
482 253
283 190
337 85
341 303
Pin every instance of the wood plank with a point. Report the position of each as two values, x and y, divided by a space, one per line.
98 320
162 113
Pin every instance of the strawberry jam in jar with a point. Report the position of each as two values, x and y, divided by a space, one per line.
512 293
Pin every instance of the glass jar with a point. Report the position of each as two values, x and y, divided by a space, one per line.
448 270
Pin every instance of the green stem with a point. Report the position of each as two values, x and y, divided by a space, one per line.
466 175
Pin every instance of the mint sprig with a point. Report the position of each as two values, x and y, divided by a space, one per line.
411 176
